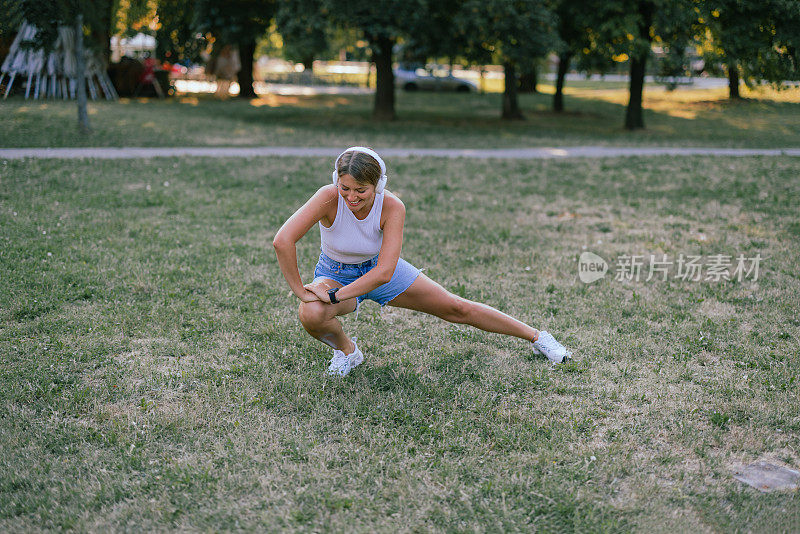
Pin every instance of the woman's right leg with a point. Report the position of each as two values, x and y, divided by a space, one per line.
427 296
319 320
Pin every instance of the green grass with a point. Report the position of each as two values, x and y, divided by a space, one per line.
155 375
682 118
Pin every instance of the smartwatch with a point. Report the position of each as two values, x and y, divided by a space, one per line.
332 295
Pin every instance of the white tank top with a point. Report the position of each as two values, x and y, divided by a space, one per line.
350 240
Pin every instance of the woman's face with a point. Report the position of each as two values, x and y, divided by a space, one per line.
357 195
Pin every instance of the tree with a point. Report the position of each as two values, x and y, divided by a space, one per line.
382 23
782 60
240 23
516 32
436 34
83 115
678 27
9 23
577 22
626 30
529 79
470 46
82 16
644 11
303 24
571 32
624 33
754 39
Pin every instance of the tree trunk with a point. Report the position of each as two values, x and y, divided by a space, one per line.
511 109
247 50
384 79
528 81
105 38
733 81
563 67
80 67
634 118
102 34
633 115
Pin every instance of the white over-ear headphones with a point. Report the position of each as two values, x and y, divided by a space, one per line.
381 183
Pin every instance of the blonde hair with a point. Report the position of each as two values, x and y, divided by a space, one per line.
362 167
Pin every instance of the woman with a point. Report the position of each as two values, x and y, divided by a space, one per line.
361 226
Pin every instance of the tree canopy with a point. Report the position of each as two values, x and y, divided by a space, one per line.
80 15
382 23
304 26
514 32
757 40
177 38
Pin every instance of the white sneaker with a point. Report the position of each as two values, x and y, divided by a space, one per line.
339 361
342 364
547 345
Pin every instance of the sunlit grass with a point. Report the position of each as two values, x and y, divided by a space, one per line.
155 376
766 118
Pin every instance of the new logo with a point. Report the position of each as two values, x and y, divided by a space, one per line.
591 267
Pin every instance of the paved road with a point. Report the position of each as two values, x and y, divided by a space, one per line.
499 153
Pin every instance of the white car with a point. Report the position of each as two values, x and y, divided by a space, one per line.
420 79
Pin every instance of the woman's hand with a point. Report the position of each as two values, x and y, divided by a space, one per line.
308 296
320 290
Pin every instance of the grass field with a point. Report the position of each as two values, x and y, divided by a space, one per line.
766 119
155 375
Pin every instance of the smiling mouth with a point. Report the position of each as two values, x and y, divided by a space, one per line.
356 203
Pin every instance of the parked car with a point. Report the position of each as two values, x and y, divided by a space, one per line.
411 78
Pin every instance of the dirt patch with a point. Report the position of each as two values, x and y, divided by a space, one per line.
714 309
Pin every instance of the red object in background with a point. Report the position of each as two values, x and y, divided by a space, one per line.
149 72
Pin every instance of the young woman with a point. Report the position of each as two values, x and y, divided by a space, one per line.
361 225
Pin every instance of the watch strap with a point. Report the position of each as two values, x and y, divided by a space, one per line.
332 295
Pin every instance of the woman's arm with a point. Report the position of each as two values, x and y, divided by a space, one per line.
389 254
285 242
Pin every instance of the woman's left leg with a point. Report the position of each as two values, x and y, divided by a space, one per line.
427 296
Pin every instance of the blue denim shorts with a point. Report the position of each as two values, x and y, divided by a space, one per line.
346 273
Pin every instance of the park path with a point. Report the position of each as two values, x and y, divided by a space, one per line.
498 153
